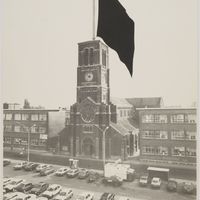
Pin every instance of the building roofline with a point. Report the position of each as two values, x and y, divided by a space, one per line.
50 110
168 108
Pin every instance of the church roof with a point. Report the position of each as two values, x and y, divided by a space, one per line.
120 102
150 102
123 127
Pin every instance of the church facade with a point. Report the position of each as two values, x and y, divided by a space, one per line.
95 126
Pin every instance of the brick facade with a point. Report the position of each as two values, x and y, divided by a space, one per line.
168 134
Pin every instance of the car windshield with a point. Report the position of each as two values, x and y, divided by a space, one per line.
13 183
155 181
80 197
143 178
51 189
63 193
37 186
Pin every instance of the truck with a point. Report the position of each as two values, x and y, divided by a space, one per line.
116 173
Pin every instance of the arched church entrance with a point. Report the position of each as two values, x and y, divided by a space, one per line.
88 147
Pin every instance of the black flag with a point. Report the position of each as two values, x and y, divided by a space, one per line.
116 28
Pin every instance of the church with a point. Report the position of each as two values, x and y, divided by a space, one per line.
98 127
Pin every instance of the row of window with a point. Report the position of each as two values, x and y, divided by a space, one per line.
19 129
178 118
125 113
25 117
175 135
88 57
24 141
164 151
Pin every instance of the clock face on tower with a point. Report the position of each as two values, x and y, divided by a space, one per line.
87 113
89 76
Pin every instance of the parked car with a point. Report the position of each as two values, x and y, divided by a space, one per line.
65 194
83 173
72 173
31 197
93 176
10 195
188 187
42 198
19 196
6 162
13 184
47 171
24 187
31 166
143 181
62 171
113 180
20 165
53 190
123 198
107 196
41 167
156 182
39 188
172 186
6 181
4 191
86 196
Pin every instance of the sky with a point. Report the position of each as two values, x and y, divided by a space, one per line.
40 51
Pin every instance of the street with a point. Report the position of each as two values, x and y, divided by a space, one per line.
129 189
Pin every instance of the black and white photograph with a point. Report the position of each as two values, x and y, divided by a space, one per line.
99 100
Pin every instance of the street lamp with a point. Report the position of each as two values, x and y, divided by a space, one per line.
103 144
29 137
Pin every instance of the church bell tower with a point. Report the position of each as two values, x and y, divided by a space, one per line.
92 112
93 72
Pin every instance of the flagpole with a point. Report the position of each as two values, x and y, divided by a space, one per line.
93 28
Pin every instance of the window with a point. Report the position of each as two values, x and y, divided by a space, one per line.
160 118
17 129
103 57
190 152
85 58
34 129
91 56
7 140
147 119
191 118
163 135
177 135
17 141
8 116
88 128
24 141
34 142
124 113
24 117
177 118
178 151
149 150
121 113
42 142
43 117
34 117
8 128
42 129
17 116
190 135
150 134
